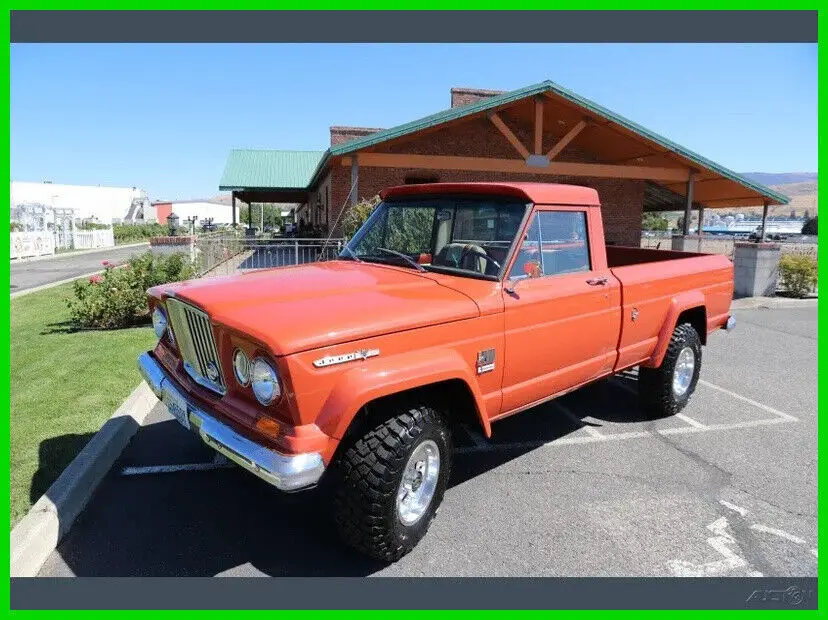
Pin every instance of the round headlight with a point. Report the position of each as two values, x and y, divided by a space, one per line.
241 366
264 381
159 321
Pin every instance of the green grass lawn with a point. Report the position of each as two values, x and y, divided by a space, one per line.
64 386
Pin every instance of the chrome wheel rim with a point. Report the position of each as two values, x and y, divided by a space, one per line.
419 481
683 372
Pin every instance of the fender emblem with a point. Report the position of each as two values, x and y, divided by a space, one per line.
485 361
330 360
634 314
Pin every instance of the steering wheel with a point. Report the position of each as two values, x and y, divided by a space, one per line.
475 250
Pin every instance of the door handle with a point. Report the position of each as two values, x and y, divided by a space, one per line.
597 281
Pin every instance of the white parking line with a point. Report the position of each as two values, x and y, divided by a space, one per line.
750 401
688 420
781 533
722 542
567 441
169 469
742 511
218 462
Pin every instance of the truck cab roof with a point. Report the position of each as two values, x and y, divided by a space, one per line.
538 193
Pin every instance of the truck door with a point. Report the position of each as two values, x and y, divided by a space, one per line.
562 308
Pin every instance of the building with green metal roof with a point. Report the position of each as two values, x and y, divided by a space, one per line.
541 132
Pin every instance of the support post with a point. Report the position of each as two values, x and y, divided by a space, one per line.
233 203
700 230
688 205
354 180
250 218
538 126
764 221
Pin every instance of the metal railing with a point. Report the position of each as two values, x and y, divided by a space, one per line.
712 244
226 255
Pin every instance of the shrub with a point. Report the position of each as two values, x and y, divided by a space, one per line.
653 221
134 233
355 216
91 226
798 273
117 297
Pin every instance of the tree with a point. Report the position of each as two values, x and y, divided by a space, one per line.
355 216
272 214
810 227
653 221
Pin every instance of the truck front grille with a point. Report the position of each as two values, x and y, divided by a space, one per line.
194 336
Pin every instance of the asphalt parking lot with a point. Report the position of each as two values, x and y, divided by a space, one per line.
582 486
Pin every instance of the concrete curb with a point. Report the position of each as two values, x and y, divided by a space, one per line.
34 259
772 303
48 521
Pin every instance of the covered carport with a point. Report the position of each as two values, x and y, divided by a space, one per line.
549 134
262 176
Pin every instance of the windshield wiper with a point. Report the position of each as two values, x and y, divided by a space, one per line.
407 258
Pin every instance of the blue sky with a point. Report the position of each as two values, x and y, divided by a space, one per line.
163 117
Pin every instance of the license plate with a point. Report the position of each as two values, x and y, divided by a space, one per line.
177 405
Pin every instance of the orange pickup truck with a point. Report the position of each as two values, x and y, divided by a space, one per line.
454 303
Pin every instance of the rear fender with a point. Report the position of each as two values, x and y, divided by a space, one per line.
681 302
392 375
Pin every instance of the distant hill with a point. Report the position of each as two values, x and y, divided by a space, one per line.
780 178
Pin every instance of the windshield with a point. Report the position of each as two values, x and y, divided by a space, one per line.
465 236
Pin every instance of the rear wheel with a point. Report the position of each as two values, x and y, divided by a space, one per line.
664 391
391 480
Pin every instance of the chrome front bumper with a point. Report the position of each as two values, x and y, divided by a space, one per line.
286 473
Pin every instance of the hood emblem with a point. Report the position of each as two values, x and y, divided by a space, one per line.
330 360
212 372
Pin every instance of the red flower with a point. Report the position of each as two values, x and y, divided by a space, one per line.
96 279
106 263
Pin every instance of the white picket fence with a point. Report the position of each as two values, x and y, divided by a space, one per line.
25 244
91 239
42 243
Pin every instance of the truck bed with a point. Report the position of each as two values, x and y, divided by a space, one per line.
654 283
622 256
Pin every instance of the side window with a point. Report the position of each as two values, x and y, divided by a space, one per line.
527 261
564 242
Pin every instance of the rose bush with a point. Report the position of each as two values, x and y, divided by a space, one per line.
117 297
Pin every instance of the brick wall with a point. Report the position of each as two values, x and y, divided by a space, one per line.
465 96
340 135
622 200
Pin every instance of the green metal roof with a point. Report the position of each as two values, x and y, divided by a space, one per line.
267 166
259 169
536 89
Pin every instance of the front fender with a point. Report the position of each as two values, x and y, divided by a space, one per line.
392 375
681 302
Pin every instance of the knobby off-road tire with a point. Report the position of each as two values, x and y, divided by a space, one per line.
368 475
661 393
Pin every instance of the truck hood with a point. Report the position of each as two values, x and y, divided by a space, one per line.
295 309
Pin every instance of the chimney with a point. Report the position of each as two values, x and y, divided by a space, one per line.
341 135
465 96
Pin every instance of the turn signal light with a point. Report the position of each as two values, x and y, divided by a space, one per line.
268 427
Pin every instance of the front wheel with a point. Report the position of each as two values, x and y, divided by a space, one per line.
664 391
391 480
